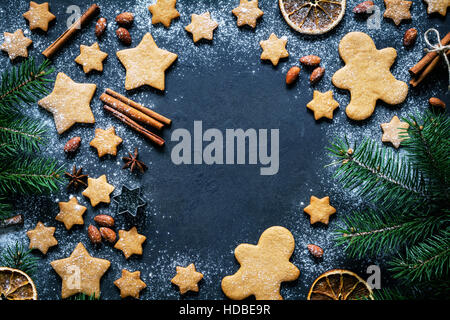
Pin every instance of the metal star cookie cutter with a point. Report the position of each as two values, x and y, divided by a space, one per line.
129 200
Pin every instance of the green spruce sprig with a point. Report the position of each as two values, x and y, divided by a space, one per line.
18 256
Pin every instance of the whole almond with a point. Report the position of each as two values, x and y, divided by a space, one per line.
410 37
436 102
72 145
124 36
363 7
316 75
100 27
125 19
292 75
104 220
94 235
311 60
108 234
316 251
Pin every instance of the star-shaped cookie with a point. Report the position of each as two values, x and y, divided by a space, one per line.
80 273
130 242
187 278
16 44
397 10
247 13
39 16
146 64
274 49
202 26
69 102
392 131
106 141
91 58
439 6
130 284
164 11
42 238
323 104
319 210
71 213
98 190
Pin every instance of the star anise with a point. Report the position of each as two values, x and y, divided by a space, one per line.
132 162
76 178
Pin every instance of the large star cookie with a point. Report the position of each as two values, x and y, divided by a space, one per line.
69 102
319 210
71 213
39 16
130 284
263 267
366 74
274 49
323 104
42 238
130 242
247 13
146 64
16 44
98 190
164 11
397 10
202 26
80 273
91 58
106 141
187 278
394 131
439 6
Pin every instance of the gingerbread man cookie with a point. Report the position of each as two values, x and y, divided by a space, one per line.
366 74
263 267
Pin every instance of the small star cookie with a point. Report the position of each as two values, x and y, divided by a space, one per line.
393 130
106 141
319 210
98 190
164 11
202 26
274 49
69 102
146 64
397 10
130 242
42 238
187 278
91 58
39 16
80 273
16 44
247 13
263 267
323 104
439 6
130 284
70 213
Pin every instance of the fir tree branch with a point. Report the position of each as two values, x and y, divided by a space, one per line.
6 209
18 257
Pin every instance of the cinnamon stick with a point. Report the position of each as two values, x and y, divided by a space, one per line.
429 68
139 107
129 111
62 39
428 58
135 126
13 221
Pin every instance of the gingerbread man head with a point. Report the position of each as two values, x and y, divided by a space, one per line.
366 74
263 267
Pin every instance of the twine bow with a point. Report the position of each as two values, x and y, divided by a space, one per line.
439 48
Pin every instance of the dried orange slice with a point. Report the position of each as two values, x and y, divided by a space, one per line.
16 285
339 284
312 16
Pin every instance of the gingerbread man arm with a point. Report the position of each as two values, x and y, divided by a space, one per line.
394 91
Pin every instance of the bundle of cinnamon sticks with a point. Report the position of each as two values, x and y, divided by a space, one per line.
131 112
427 64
